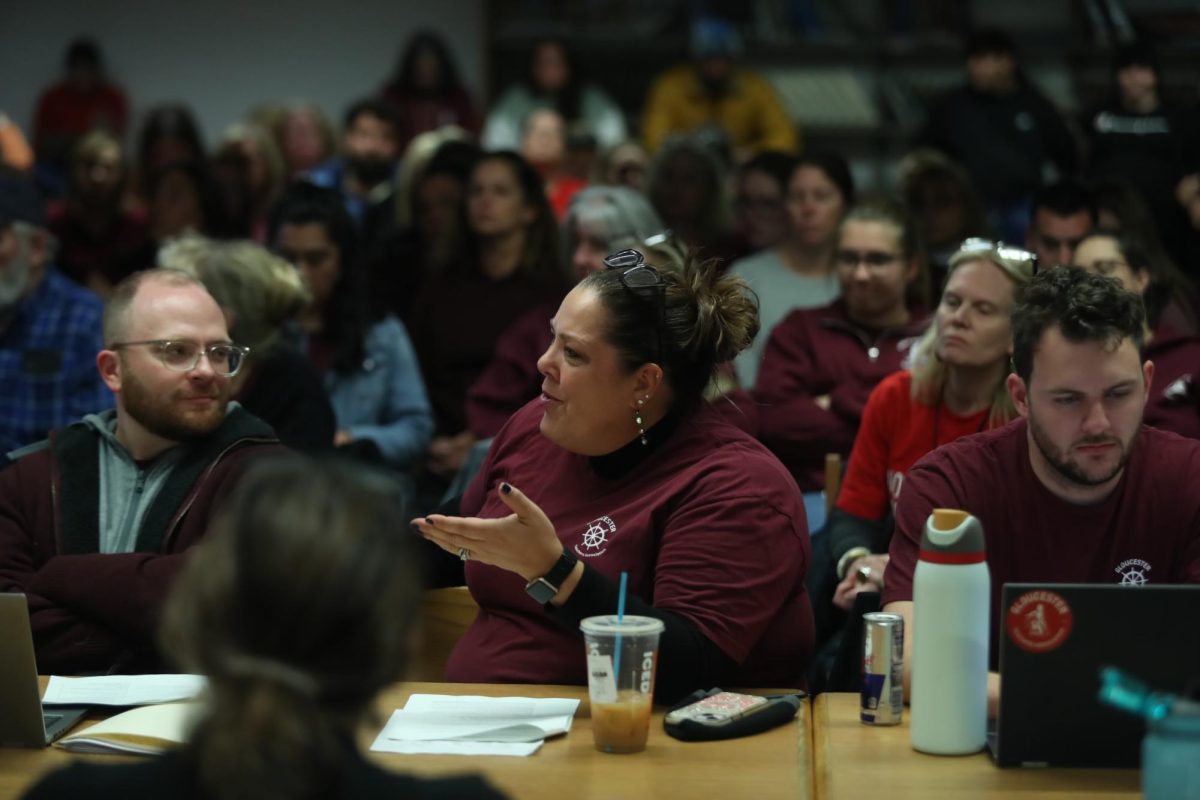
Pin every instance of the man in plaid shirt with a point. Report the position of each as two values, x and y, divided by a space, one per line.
49 328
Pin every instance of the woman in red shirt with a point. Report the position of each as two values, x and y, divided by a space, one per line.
955 387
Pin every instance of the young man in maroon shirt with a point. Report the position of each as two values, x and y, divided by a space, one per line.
1077 490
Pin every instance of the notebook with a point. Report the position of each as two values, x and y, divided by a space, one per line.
23 722
1054 641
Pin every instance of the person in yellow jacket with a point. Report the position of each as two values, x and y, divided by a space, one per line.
713 92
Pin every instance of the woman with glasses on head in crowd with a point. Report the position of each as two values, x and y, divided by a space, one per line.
1171 340
369 364
601 220
954 387
507 262
618 467
799 271
297 607
820 365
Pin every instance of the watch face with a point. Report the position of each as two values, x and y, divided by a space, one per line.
541 591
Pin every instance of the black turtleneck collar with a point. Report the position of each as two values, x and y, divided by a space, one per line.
621 461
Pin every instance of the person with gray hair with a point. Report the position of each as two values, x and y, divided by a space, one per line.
599 221
49 327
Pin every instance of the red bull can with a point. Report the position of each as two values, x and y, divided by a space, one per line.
883 669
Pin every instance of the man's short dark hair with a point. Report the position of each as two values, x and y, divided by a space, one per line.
990 42
1084 306
1066 198
376 107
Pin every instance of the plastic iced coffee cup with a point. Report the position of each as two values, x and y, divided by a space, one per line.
621 660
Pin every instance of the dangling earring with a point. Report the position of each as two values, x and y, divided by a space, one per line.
637 418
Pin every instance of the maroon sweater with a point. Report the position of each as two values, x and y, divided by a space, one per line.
511 379
95 612
817 352
1174 403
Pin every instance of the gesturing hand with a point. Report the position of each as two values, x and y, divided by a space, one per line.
524 542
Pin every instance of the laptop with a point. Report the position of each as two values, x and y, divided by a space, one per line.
23 723
1055 640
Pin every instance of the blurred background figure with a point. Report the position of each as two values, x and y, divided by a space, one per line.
85 100
687 187
298 607
364 354
544 146
1171 339
262 295
600 221
760 213
169 135
1002 129
625 164
99 235
943 201
15 152
799 272
1061 214
305 136
249 173
591 118
427 91
507 261
1137 136
714 93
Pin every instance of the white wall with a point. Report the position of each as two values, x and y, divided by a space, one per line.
225 56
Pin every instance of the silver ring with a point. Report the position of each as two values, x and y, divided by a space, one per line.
464 554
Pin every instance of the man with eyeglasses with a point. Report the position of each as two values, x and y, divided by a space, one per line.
1077 490
94 521
49 328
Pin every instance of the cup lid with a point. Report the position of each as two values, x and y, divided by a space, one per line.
609 625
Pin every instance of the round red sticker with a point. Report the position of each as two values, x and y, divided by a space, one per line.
1039 621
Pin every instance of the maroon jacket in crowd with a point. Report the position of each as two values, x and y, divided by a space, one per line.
817 353
95 612
1174 403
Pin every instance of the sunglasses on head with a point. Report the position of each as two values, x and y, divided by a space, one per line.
638 277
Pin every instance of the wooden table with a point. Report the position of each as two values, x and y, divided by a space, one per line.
775 764
853 760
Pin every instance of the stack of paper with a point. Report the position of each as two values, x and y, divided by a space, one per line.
472 725
121 690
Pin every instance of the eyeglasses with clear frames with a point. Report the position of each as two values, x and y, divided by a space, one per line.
637 276
225 359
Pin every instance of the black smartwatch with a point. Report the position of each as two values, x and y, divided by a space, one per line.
544 588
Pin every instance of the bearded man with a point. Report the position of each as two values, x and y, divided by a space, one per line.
1077 490
95 521
49 328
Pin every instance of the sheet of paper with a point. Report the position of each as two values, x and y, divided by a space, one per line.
431 723
121 690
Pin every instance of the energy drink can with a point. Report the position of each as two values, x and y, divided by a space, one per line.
883 669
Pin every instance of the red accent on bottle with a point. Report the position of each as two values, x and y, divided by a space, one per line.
938 557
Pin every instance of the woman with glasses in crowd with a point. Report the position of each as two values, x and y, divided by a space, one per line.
1171 342
954 387
297 607
820 365
620 467
799 272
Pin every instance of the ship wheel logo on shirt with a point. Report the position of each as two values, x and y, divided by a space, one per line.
1133 572
1039 621
596 537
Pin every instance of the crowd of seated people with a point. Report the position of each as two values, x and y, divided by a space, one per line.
545 317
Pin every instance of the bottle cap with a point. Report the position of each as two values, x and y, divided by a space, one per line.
952 536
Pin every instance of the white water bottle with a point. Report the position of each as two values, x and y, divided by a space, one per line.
951 596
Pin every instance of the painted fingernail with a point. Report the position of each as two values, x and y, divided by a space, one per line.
415 527
428 521
505 488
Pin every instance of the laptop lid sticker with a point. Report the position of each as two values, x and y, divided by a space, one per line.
1039 621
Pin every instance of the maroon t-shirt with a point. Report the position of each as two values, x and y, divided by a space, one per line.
1174 403
1147 529
709 526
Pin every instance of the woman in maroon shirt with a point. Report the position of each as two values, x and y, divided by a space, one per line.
618 467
